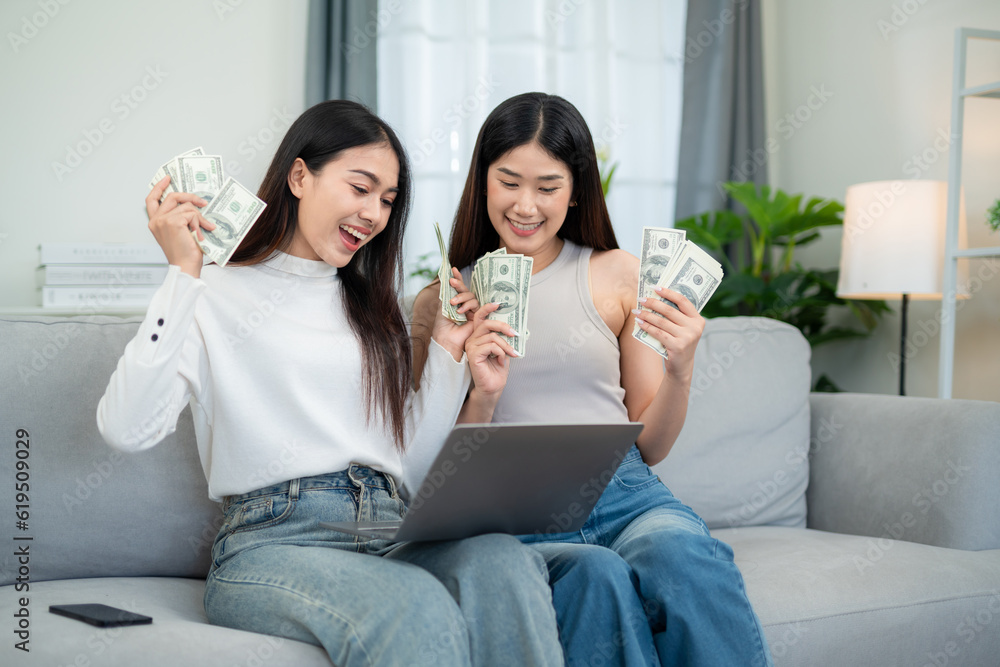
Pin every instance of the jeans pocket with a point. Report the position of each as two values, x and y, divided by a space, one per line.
635 475
259 512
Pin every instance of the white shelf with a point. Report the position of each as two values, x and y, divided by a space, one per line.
985 90
979 252
952 253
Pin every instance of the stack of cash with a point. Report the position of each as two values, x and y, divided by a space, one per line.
231 206
173 170
669 260
505 279
446 292
496 278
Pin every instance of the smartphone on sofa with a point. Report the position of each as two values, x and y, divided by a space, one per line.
100 615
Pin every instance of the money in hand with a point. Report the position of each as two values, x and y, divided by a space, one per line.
506 279
659 247
446 292
690 271
477 287
231 206
497 277
200 175
233 210
170 169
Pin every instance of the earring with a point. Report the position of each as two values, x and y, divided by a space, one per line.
572 203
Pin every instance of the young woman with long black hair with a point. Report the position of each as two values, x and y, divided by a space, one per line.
643 578
296 362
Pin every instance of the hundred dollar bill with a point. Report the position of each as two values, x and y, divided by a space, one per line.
200 175
660 246
170 169
696 275
505 279
476 284
446 292
233 210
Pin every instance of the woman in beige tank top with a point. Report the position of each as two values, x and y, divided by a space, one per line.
643 582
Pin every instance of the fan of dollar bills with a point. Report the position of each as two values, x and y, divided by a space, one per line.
231 206
496 278
669 260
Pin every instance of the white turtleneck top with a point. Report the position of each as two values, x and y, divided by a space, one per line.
266 358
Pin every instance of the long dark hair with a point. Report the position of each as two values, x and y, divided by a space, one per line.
557 127
374 277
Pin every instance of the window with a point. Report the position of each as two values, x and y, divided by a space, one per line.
443 66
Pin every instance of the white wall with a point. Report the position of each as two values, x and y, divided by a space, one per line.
445 64
131 84
885 67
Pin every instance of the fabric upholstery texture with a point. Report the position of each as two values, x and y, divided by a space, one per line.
741 459
134 531
830 599
917 469
179 634
151 508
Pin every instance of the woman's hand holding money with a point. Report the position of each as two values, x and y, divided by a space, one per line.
487 352
465 300
451 335
173 222
677 327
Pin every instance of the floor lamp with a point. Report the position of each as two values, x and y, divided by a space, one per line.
893 246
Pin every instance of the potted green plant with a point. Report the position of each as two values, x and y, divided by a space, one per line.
993 216
765 280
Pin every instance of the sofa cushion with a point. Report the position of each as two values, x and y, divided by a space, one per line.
830 599
87 500
742 456
179 634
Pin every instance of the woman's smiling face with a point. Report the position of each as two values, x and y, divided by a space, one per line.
345 204
528 194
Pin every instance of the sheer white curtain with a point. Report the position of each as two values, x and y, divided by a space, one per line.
443 65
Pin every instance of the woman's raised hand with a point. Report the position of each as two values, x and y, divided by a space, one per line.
173 221
450 335
677 328
488 351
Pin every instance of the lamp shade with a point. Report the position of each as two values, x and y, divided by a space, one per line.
893 242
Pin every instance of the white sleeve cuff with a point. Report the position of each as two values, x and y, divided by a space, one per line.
168 318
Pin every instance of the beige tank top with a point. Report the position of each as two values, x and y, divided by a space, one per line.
571 369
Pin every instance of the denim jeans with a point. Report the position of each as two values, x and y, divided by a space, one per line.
483 600
644 583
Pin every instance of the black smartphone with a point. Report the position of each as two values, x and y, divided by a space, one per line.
100 615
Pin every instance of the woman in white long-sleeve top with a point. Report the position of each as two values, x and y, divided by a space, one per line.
295 359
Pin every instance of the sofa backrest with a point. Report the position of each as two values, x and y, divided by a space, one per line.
742 456
92 511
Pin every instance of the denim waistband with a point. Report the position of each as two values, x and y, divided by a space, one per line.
355 476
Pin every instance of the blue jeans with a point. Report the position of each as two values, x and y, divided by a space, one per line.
644 583
483 600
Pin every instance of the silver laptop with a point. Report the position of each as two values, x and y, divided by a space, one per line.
508 478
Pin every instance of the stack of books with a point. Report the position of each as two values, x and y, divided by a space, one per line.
102 276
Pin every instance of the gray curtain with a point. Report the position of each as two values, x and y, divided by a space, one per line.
341 51
722 125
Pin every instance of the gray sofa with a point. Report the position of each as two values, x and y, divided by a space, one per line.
867 527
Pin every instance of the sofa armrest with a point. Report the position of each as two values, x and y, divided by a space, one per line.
916 469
